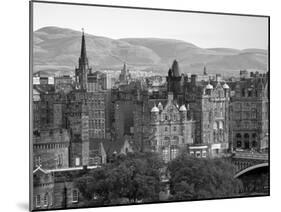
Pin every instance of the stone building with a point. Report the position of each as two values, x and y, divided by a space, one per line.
77 121
209 104
63 84
51 112
43 189
56 189
249 112
171 129
51 148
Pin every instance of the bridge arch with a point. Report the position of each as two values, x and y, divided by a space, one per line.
250 168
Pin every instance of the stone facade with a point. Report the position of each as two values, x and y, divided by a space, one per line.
171 130
249 113
51 148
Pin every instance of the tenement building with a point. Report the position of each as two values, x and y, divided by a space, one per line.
171 129
249 113
209 103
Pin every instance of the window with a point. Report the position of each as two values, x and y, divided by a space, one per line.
175 128
37 201
215 127
38 161
238 144
77 161
165 155
246 141
249 93
220 125
238 140
198 154
46 199
166 129
75 196
204 154
243 92
60 160
174 153
191 153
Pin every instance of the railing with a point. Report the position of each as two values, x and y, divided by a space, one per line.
251 155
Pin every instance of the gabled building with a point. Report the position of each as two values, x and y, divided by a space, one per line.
171 129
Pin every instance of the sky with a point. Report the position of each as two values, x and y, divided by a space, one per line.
203 30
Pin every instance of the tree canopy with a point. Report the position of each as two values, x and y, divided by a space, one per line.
128 179
197 178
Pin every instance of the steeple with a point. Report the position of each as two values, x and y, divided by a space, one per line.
175 69
205 71
81 73
83 60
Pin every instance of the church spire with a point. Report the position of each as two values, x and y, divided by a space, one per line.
83 70
83 55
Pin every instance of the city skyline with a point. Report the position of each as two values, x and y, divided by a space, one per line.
203 30
101 139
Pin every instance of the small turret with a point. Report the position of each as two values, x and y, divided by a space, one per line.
225 86
154 114
183 113
160 106
155 109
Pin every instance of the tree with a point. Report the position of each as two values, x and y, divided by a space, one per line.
131 178
197 178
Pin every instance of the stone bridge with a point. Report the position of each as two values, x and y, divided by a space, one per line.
247 161
252 168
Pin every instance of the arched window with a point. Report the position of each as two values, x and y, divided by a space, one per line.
238 140
254 135
221 125
215 126
46 199
174 153
246 141
254 144
249 93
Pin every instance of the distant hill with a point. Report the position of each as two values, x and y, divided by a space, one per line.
56 50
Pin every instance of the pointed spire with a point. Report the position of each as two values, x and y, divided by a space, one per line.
175 69
83 46
205 70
